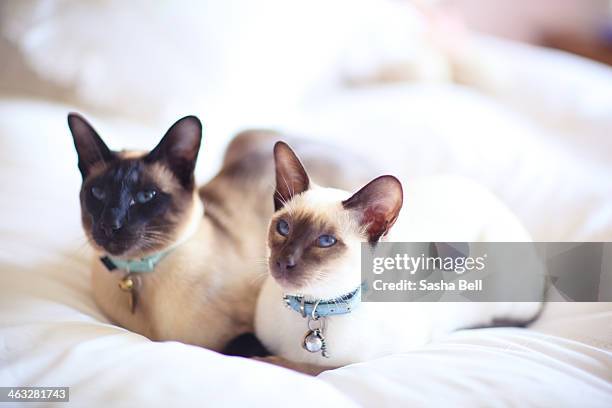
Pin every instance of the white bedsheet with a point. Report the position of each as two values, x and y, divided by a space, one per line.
52 334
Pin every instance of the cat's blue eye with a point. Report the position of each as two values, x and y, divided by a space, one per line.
325 241
98 193
282 227
145 196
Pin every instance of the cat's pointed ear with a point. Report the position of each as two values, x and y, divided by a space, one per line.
291 177
89 146
377 205
179 148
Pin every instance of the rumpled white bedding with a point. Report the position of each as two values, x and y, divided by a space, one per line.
52 334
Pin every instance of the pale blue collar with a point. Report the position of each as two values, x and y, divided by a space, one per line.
322 308
146 264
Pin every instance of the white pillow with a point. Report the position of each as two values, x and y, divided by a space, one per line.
249 58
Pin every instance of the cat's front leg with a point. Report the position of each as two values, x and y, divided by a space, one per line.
305 368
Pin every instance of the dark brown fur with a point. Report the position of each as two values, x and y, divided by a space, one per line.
301 245
117 216
153 228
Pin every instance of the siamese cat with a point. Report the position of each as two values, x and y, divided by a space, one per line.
314 247
173 262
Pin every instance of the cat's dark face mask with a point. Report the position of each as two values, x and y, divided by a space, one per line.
133 205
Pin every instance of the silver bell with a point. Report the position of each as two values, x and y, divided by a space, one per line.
313 341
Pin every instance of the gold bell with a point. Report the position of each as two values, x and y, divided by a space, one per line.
126 284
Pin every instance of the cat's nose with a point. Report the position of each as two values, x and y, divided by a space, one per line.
112 222
286 263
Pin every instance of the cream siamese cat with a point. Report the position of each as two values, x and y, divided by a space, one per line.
314 243
172 262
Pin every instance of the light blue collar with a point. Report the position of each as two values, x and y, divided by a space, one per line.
146 264
322 308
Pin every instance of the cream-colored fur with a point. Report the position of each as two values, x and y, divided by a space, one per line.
201 293
441 209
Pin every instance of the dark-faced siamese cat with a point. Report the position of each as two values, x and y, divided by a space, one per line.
174 262
309 313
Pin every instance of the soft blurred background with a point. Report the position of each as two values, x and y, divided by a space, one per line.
515 94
